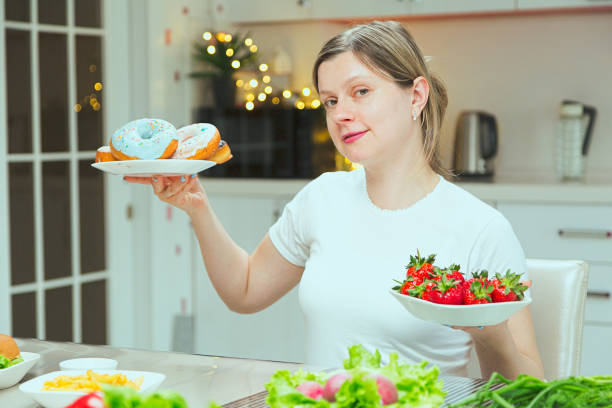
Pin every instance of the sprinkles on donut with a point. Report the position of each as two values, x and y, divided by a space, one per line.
144 139
197 141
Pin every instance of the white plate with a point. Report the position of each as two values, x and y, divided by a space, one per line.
89 363
460 315
59 399
12 375
148 168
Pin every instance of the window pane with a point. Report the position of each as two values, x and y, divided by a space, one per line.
23 313
18 97
21 194
56 219
17 10
89 92
52 12
93 312
87 13
58 314
53 92
91 209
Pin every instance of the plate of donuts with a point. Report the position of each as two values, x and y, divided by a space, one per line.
150 168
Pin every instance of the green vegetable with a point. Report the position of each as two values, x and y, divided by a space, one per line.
6 363
124 397
531 392
417 386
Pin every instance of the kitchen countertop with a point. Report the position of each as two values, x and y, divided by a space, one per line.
198 378
539 190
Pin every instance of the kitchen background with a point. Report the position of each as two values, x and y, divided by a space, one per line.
516 59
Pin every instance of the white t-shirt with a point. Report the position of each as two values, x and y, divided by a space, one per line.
352 251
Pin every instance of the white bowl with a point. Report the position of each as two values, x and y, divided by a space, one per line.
89 363
60 399
13 374
487 314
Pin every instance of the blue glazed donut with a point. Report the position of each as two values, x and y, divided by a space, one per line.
144 139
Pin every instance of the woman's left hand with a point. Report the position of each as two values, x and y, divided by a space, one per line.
485 334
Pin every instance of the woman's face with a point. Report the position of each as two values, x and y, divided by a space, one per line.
368 116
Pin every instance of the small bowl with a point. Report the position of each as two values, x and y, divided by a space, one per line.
13 374
89 363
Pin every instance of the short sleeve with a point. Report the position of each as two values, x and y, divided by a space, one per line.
288 232
497 249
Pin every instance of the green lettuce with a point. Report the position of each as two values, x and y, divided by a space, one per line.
417 385
6 363
125 397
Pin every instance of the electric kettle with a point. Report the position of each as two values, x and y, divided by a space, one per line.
574 131
475 144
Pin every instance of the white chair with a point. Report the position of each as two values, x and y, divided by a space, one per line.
558 291
559 294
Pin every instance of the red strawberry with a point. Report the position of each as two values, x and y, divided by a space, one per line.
420 267
477 293
451 290
431 293
407 285
482 276
508 287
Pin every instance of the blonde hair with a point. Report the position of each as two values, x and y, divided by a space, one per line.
387 48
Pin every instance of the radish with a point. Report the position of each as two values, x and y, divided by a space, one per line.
333 385
386 390
311 389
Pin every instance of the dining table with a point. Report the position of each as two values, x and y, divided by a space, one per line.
228 381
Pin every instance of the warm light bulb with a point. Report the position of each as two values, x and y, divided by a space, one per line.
263 67
207 36
266 79
286 94
250 97
315 103
239 83
229 52
221 37
96 106
92 68
253 83
98 86
227 37
276 100
211 49
235 64
248 42
299 105
261 97
268 90
253 48
77 107
249 105
306 91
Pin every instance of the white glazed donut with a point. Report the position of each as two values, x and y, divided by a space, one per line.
197 141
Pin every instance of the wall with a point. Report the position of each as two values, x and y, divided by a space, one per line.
517 67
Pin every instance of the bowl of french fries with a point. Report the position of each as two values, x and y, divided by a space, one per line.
60 388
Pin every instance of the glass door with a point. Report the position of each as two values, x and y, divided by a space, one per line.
54 277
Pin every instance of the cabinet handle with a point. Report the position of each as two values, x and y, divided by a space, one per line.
580 233
598 294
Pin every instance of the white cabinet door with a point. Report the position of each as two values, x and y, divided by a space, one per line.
338 9
562 231
547 4
251 11
596 357
463 6
275 333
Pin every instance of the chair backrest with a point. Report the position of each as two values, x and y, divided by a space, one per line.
559 293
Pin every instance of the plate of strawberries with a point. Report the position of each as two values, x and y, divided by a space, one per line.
446 296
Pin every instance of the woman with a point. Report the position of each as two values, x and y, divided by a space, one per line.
347 235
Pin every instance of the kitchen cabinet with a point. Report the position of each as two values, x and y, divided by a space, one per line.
419 7
574 231
275 333
340 9
555 4
240 11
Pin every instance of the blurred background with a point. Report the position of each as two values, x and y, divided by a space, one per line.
85 257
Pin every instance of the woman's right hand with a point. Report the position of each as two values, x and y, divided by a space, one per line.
183 192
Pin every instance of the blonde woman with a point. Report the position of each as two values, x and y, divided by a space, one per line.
346 235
